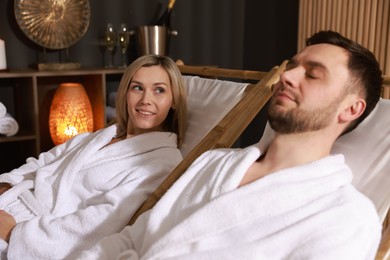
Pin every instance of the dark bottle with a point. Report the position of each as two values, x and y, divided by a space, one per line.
165 18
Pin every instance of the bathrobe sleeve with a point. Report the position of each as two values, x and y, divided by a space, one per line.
27 170
119 244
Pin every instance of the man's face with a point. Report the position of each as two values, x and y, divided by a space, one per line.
308 95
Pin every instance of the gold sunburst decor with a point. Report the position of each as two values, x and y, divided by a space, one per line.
53 24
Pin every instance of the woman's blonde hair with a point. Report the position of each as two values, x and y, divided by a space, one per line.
177 116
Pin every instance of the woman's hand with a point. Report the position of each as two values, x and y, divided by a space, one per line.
4 187
7 223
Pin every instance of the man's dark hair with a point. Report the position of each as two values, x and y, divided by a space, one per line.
363 66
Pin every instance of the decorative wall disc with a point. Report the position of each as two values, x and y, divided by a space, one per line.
53 24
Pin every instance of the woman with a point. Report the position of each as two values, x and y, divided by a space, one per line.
90 186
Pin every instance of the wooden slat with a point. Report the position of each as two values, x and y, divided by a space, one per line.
386 87
301 25
386 62
348 29
372 25
344 15
378 28
354 21
328 11
383 252
222 73
338 10
383 40
224 134
309 25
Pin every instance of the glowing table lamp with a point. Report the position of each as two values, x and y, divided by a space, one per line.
70 113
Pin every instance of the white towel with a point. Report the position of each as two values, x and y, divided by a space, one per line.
110 113
111 99
3 60
8 125
3 110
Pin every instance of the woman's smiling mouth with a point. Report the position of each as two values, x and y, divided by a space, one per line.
145 112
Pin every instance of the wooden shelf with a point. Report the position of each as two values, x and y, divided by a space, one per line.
27 95
17 137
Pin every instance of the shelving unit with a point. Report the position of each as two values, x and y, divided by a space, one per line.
31 93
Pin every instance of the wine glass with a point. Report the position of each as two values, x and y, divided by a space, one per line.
124 37
110 42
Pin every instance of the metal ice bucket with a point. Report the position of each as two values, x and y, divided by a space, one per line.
153 39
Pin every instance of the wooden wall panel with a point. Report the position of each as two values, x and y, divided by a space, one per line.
364 21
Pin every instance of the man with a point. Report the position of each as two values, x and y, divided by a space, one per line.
291 201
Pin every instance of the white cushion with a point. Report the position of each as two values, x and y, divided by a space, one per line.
209 100
367 152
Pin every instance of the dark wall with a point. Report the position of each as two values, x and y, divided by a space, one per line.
207 33
271 29
242 34
210 32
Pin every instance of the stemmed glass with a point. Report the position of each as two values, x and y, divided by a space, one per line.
124 37
110 42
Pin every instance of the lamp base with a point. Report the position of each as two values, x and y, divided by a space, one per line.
58 66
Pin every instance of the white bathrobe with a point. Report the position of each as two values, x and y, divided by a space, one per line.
306 212
81 191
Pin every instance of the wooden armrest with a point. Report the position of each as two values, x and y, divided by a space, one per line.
384 247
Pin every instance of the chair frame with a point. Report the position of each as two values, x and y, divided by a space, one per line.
386 87
227 131
384 246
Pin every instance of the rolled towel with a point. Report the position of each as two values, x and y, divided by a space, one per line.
111 99
3 110
8 125
110 113
3 61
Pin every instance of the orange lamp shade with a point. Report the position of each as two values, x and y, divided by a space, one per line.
70 113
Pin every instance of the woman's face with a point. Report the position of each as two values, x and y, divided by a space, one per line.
149 99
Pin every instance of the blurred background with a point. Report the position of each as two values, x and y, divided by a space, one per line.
242 34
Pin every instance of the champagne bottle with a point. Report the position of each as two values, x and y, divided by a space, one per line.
165 18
